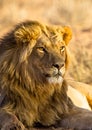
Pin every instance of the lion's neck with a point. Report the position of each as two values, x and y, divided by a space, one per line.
51 105
43 103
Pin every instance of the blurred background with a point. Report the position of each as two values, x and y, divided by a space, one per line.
75 13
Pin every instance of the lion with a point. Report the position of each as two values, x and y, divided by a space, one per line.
33 91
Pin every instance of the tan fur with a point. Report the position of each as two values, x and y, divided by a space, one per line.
28 94
33 62
78 98
84 89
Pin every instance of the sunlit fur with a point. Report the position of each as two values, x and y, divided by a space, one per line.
23 65
33 62
85 92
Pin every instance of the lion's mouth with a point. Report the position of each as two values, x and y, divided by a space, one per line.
55 75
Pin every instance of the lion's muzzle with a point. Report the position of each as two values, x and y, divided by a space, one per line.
56 74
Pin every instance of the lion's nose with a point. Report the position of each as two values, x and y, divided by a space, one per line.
58 65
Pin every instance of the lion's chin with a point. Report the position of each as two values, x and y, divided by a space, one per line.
55 80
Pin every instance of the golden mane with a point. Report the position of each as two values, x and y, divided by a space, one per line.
33 62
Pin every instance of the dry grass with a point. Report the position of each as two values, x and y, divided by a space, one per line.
75 13
81 66
72 12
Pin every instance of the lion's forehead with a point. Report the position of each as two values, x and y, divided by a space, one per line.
51 38
55 34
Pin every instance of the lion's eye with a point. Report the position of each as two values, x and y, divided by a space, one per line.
62 48
41 49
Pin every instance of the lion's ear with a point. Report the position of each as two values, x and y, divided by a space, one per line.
25 35
67 34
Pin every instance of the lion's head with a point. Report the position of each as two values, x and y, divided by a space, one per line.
33 52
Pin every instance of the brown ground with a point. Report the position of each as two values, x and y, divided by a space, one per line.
75 13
